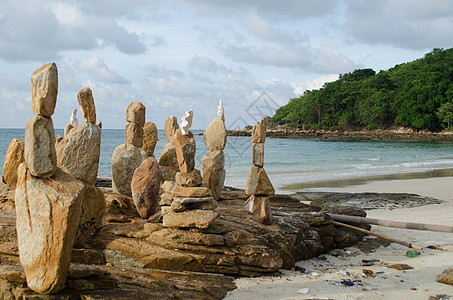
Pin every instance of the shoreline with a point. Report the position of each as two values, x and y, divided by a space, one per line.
391 135
417 283
344 183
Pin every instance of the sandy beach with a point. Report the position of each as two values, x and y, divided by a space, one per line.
324 277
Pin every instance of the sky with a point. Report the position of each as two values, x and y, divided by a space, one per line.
177 55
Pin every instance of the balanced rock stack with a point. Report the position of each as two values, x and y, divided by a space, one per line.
168 163
78 154
185 203
259 187
215 137
127 157
47 209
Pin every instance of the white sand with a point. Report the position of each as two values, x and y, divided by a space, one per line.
418 283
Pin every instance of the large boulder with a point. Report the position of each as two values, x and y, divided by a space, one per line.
150 138
44 89
14 157
145 186
46 211
215 136
125 159
79 153
39 147
86 102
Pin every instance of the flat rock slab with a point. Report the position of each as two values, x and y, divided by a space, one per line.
190 218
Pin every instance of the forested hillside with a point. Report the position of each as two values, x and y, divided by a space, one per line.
418 94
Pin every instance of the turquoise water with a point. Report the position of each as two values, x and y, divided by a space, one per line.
290 161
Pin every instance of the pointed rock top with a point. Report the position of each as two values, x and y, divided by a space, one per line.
44 89
135 113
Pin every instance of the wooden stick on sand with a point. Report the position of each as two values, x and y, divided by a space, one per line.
406 225
378 235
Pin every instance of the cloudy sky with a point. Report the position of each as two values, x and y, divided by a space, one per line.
188 54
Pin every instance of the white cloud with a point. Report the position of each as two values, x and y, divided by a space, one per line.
313 84
98 69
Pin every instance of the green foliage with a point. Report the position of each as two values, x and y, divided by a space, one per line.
418 94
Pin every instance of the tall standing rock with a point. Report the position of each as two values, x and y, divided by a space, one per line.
145 186
185 150
14 157
168 162
149 138
259 187
135 113
47 211
39 147
215 138
44 89
86 103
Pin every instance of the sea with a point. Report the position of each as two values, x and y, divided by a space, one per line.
299 164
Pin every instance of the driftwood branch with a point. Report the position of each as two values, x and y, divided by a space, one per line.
397 224
379 235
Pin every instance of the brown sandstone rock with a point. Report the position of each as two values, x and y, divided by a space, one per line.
80 152
68 129
445 277
134 135
125 159
44 89
93 213
47 210
258 154
168 186
190 203
168 158
213 161
189 179
86 103
39 147
260 208
135 113
215 135
214 181
149 138
185 151
258 183
13 158
259 131
190 218
145 187
191 192
171 125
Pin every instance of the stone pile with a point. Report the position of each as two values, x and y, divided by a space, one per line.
168 163
48 200
186 203
127 157
215 137
259 187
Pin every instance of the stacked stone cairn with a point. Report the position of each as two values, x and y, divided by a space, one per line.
168 162
186 203
259 187
215 138
48 201
78 154
145 183
127 157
